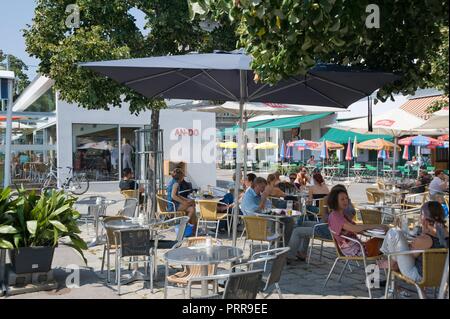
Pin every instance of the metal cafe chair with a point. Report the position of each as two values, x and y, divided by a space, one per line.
433 265
347 259
317 237
240 285
163 210
129 208
209 215
256 228
273 261
110 243
133 243
158 241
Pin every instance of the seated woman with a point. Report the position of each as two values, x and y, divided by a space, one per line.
434 235
342 225
273 191
302 178
179 202
301 235
317 191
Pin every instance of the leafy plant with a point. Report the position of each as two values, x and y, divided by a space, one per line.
33 220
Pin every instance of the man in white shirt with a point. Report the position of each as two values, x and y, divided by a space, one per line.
439 184
127 149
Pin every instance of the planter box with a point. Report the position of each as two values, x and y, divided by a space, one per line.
31 259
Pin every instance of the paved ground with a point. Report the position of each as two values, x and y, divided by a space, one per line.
299 280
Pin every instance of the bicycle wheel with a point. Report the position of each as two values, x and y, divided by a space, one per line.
78 185
49 183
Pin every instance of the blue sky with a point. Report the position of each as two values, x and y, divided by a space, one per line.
14 16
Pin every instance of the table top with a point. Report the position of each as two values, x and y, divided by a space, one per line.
378 233
202 255
202 197
280 213
128 224
377 206
396 191
93 201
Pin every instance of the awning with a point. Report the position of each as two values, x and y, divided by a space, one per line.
280 123
341 136
291 122
250 125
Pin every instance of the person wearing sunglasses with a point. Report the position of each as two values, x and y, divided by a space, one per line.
302 178
434 234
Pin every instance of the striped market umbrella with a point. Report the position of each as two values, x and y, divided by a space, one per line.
348 157
406 153
324 151
288 151
355 148
382 154
283 151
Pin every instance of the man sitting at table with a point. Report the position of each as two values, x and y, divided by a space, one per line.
248 181
128 183
311 161
252 197
439 184
273 191
423 180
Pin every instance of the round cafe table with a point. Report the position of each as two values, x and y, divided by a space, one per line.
99 209
203 256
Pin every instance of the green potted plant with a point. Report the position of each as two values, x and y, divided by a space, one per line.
31 226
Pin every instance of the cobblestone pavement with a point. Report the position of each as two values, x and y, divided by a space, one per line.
299 280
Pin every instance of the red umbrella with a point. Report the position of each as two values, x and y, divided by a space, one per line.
443 137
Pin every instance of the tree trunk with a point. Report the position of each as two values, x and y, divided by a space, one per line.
153 159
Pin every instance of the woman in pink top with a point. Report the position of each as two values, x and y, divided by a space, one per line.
341 225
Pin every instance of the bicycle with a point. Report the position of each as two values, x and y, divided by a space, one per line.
75 184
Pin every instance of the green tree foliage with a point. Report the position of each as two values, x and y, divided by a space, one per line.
19 68
107 31
287 37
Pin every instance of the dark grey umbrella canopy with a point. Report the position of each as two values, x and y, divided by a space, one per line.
216 76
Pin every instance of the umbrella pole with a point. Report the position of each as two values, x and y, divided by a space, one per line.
395 156
243 83
377 167
244 129
420 159
348 171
